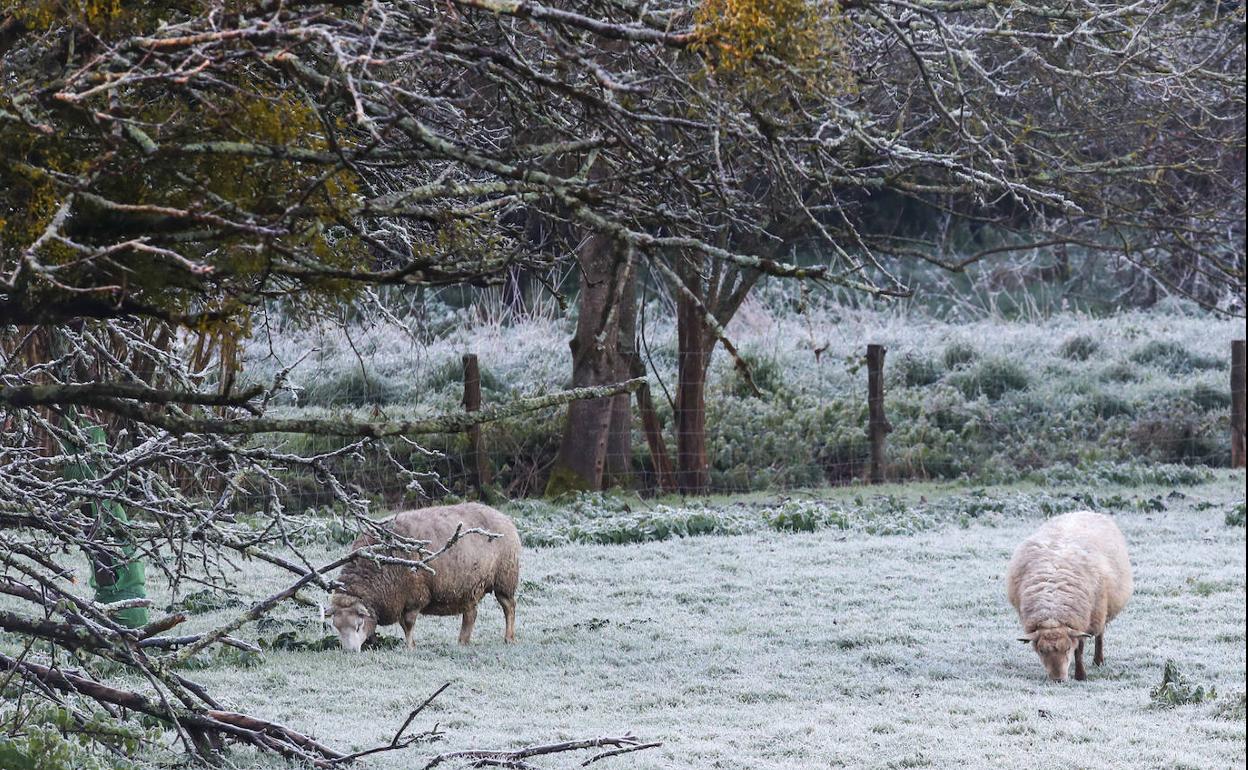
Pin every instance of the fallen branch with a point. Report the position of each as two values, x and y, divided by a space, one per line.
396 742
179 424
262 733
516 757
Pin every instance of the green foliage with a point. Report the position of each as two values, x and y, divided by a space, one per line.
53 738
893 515
992 378
1121 474
1079 347
449 375
1209 398
61 150
1174 430
303 636
1235 516
1177 690
605 519
918 370
958 354
202 601
602 519
352 387
1108 405
1172 357
1120 371
767 373
221 656
292 641
318 530
1001 412
565 481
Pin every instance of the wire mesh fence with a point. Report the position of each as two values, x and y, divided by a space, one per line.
915 412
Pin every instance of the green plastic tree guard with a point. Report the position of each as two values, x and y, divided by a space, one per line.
113 581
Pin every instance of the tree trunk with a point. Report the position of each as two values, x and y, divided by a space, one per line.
694 353
707 296
581 461
619 465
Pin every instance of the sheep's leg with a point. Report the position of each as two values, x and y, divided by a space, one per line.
1080 673
408 621
1098 657
465 628
508 603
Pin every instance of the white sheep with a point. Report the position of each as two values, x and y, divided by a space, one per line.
373 594
1067 580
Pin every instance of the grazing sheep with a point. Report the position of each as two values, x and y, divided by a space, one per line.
1067 581
375 594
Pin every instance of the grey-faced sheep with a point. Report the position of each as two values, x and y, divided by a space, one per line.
1067 581
374 594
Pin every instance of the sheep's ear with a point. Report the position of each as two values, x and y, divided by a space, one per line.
1085 635
1027 639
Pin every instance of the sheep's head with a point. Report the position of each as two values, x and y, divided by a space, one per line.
354 622
1056 647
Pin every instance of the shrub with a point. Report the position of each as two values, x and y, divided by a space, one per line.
351 387
1002 405
1107 405
1172 356
602 518
58 738
593 517
1120 372
918 370
1121 474
1080 347
449 375
1174 432
1209 398
959 354
992 378
1235 515
205 600
767 373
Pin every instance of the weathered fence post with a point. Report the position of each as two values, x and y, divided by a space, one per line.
877 424
1237 403
472 403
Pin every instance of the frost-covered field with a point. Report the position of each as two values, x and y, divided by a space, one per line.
825 649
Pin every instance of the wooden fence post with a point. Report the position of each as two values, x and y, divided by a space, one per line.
1237 403
472 403
877 424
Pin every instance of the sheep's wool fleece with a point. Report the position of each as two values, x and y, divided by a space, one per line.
1074 571
473 567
